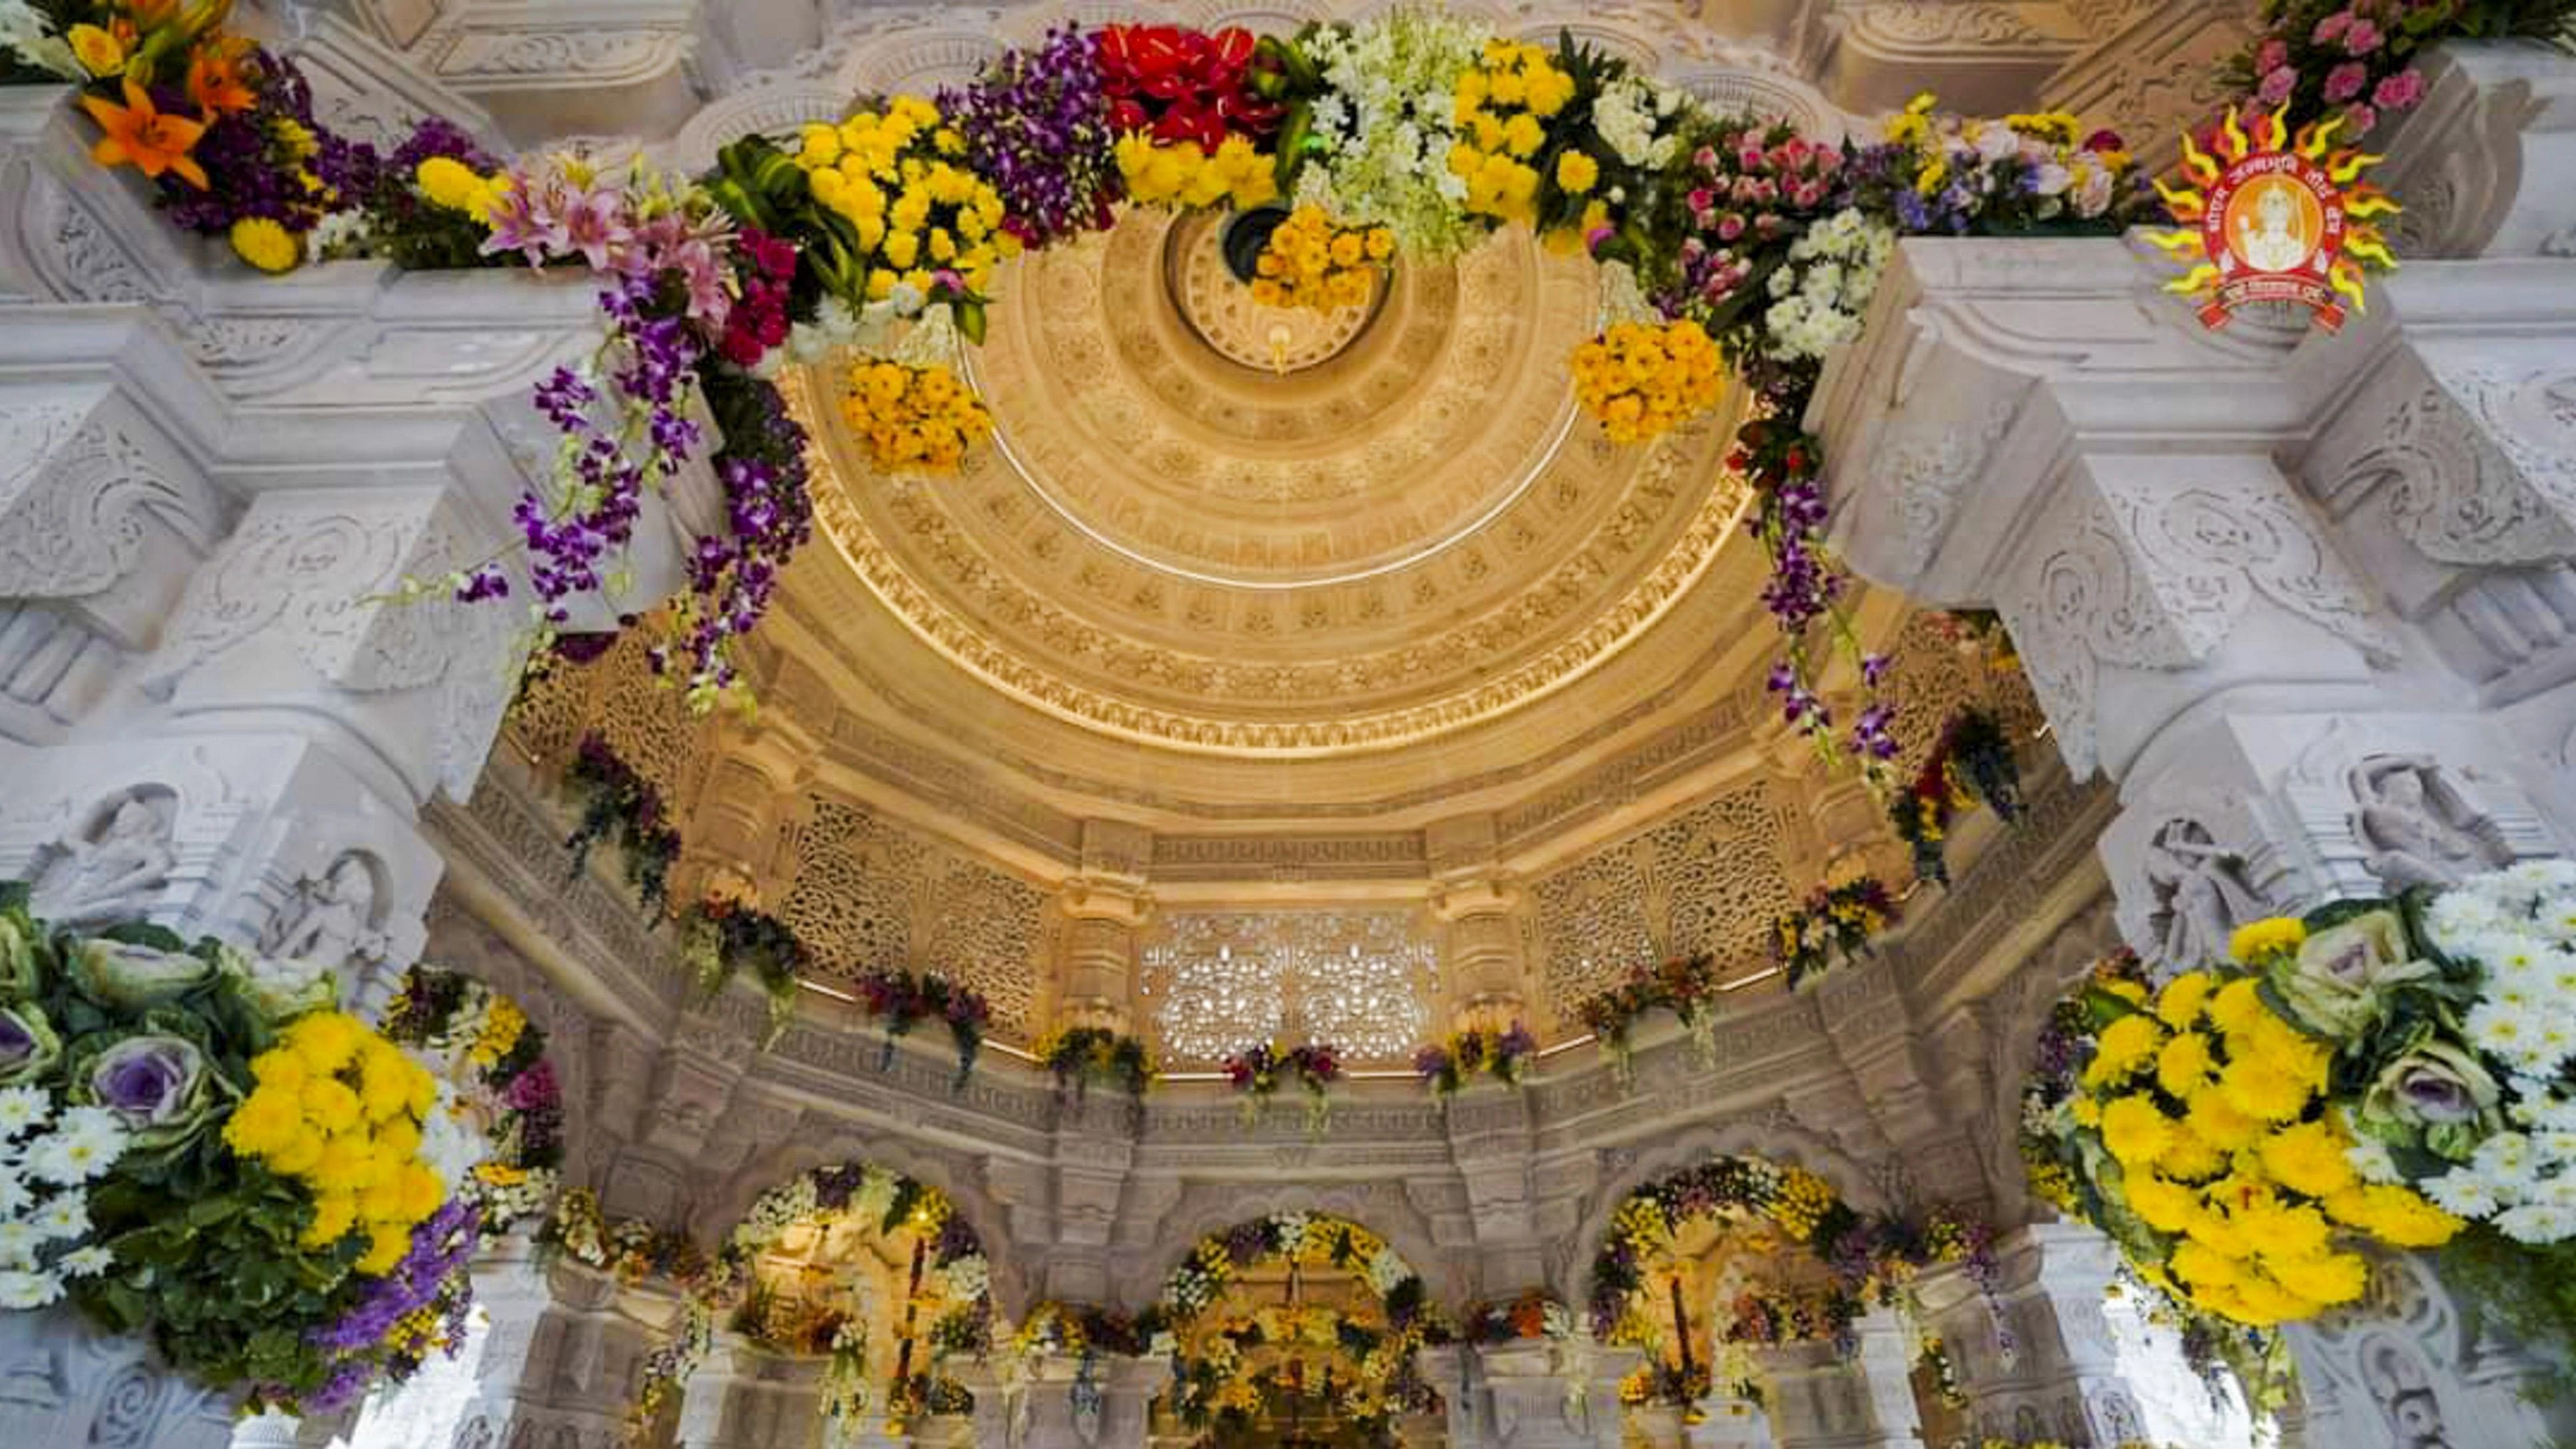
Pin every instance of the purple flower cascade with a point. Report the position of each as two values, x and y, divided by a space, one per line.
431 1275
1037 126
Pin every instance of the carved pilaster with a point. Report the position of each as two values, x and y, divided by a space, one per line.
1105 908
1821 1399
1487 956
2152 72
745 1397
1531 1394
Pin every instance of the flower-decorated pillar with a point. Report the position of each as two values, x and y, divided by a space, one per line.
1531 1393
217 716
2062 1351
2304 597
746 1397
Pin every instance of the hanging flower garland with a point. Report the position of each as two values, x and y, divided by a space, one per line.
1083 1056
1971 764
1445 1066
902 1000
1258 1072
618 803
1834 924
720 938
1686 986
483 1046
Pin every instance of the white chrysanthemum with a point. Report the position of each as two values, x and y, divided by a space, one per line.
2370 1157
1291 1229
2536 1223
63 1219
80 1149
23 1290
968 1278
2462 1194
22 1108
1386 1270
18 1244
87 1262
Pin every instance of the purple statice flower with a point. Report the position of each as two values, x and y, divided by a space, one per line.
1246 1242
255 159
434 1269
1036 126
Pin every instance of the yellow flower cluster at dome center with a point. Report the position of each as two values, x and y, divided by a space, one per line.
919 419
1309 262
1184 175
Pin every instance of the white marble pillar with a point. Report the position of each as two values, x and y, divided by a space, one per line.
63 1382
2412 1367
745 1397
1532 1394
1058 1401
1821 1399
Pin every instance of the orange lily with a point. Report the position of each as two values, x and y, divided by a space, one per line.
215 83
139 133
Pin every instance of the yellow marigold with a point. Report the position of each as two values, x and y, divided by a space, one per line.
2257 941
2214 1121
2087 1112
271 1116
298 1154
449 183
1576 172
335 1214
265 244
2162 1204
2308 1157
2322 1278
2265 1301
2135 1131
329 1105
2123 1048
2263 1091
2200 1265
385 1248
2284 1047
1640 1222
326 1040
2236 1004
2218 1231
2180 1003
2278 1229
2397 1216
2184 1063
2192 1157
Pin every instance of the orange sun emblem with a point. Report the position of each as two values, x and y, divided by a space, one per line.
2266 220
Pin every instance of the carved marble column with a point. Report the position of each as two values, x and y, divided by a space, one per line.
2075 1358
1064 1401
2410 1366
746 1397
1821 1400
1531 1394
62 1382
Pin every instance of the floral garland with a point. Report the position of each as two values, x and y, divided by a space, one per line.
869 1196
1258 1072
1971 764
1836 924
618 803
1078 1329
482 1045
1077 1057
197 1146
902 1000
1660 1381
720 938
2355 58
1766 1318
629 1249
1873 1259
1686 986
1209 1384
1505 1055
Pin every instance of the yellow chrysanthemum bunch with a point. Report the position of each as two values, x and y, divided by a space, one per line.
1640 1222
1501 109
1235 174
900 178
450 183
1643 379
503 1022
1803 1200
338 1109
920 419
2212 1105
1310 262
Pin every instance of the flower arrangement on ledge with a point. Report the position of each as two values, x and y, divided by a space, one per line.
618 803
902 1000
1505 1055
1311 263
198 1147
2356 58
1836 924
483 1046
1531 1315
1078 1330
1686 986
1971 764
720 938
1258 1072
628 1249
1081 1056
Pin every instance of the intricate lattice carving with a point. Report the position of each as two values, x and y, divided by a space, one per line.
868 893
1705 881
1932 676
1362 980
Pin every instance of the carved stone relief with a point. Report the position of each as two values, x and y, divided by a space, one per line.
112 868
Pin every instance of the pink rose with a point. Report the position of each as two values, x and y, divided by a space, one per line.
2274 54
2277 86
2357 121
1701 198
2362 38
2345 81
1729 227
2332 26
2399 91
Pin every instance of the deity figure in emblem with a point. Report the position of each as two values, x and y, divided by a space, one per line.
2272 240
333 922
2201 893
94 883
2417 827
